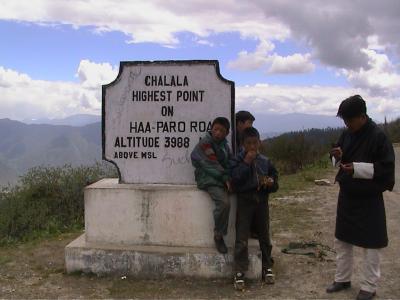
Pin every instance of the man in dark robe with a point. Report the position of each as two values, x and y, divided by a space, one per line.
365 158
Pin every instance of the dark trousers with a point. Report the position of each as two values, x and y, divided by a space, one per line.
251 209
221 210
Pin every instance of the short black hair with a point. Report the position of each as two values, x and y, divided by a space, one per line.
221 121
250 132
351 107
243 116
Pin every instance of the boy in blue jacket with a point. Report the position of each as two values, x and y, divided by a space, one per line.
211 157
253 178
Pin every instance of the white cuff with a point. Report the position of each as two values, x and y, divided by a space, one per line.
363 170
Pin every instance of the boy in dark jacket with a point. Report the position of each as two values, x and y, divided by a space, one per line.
253 178
211 158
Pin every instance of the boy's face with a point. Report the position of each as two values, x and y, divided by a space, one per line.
240 126
355 124
251 144
219 132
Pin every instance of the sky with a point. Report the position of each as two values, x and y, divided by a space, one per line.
284 56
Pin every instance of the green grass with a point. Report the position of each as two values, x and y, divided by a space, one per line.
302 179
288 214
4 259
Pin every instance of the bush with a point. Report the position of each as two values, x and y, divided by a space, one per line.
293 151
392 129
47 200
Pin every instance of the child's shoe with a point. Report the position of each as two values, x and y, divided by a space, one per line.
239 281
267 276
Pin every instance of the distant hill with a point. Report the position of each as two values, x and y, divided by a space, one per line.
7 175
75 120
25 146
271 125
268 124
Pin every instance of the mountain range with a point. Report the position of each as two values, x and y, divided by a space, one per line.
24 146
76 140
270 125
74 120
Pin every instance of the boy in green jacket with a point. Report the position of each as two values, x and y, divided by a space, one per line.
210 157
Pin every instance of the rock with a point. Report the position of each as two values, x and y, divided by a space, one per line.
322 182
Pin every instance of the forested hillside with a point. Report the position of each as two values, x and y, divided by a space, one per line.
292 151
25 146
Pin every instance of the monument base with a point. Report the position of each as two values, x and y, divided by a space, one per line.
153 230
154 261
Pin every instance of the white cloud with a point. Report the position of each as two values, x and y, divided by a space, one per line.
25 98
279 99
92 74
360 38
248 61
150 21
381 78
335 31
293 64
263 58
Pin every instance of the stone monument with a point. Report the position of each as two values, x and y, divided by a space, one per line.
153 221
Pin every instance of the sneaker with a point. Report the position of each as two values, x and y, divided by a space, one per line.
338 286
364 295
238 281
220 245
267 276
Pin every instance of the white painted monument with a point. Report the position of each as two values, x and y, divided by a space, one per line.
153 221
154 114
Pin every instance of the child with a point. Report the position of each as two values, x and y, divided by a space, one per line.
253 178
244 119
211 158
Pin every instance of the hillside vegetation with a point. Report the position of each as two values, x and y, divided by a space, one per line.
293 151
23 147
49 199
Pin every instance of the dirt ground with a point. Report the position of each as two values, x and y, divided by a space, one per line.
36 270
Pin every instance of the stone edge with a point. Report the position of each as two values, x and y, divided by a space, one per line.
153 261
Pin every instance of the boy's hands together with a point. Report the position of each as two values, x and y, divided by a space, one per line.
267 181
250 157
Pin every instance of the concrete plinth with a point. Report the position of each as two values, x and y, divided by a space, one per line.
152 230
153 261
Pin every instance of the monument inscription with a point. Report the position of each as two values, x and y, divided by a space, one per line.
154 114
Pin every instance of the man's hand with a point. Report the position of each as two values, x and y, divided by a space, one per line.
336 153
250 157
228 186
347 168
